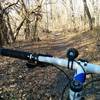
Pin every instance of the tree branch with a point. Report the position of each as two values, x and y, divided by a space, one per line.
19 27
10 5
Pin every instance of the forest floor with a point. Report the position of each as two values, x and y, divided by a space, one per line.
18 82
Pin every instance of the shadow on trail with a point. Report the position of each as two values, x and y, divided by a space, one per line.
59 83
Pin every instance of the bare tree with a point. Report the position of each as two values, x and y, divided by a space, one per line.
38 17
47 21
86 9
27 20
5 27
72 13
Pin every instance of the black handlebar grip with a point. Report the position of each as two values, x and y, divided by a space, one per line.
15 54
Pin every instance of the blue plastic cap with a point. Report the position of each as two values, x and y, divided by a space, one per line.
80 77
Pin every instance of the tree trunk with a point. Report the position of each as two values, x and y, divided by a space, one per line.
3 29
47 20
27 29
10 29
88 14
35 35
72 11
27 20
38 18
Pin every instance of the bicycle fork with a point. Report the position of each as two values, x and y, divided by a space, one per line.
76 85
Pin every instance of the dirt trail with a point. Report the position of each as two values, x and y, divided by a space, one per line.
17 82
56 44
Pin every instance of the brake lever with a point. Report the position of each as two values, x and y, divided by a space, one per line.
83 60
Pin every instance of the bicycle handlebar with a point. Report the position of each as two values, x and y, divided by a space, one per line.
14 53
48 59
93 68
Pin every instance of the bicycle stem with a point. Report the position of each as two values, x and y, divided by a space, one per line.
76 85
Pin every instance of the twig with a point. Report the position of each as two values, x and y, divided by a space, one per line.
11 5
